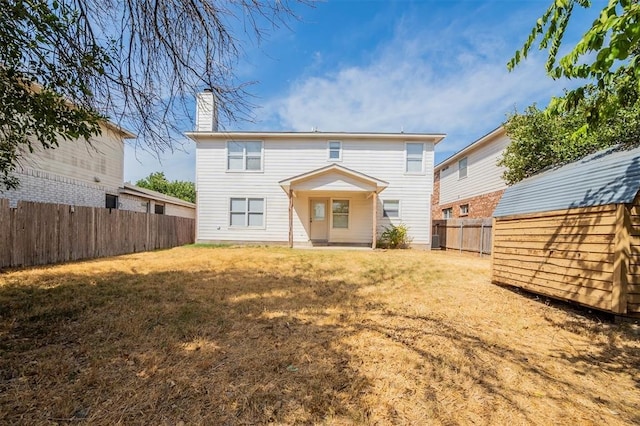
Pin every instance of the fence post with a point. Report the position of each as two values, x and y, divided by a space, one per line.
481 236
461 231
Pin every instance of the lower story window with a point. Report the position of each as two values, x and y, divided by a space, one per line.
447 213
340 211
391 208
111 201
464 209
246 212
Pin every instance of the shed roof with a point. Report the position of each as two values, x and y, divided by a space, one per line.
610 176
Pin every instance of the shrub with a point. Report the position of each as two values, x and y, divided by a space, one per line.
394 237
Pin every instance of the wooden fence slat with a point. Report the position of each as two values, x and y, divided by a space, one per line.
42 233
5 233
470 235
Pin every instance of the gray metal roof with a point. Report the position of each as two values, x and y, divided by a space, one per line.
610 176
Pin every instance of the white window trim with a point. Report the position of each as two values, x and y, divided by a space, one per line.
329 151
348 214
244 158
247 227
406 158
399 209
466 168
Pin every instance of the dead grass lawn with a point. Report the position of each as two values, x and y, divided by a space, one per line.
231 336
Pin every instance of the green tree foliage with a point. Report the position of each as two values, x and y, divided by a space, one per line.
180 189
606 56
540 140
41 43
66 63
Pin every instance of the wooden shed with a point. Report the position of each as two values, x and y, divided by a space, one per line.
573 233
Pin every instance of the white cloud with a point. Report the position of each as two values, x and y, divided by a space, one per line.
418 83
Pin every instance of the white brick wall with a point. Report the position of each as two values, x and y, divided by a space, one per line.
46 187
130 202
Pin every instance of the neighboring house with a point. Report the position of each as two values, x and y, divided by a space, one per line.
147 201
75 173
469 183
88 174
307 188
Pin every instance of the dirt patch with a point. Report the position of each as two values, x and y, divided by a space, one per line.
269 335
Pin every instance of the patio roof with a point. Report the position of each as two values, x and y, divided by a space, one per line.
333 178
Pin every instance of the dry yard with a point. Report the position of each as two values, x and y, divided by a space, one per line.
232 336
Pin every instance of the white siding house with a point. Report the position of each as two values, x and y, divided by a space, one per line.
75 173
312 187
469 183
88 174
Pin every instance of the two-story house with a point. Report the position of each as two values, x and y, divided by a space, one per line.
91 174
308 188
469 183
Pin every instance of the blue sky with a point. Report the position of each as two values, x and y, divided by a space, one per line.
388 66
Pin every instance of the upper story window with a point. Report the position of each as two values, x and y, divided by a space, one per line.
414 156
391 208
244 156
158 209
335 151
462 168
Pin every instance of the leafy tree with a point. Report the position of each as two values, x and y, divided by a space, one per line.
606 55
64 64
42 43
180 189
540 140
605 111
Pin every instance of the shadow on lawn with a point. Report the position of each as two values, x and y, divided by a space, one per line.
231 347
203 347
482 362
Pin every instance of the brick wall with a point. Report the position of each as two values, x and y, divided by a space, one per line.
44 187
436 212
136 204
479 207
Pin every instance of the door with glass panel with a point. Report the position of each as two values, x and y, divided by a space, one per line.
319 221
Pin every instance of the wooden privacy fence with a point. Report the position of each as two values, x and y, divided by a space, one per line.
41 234
470 235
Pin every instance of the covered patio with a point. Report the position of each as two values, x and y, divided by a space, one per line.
334 205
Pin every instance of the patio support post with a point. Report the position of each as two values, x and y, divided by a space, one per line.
375 219
290 219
